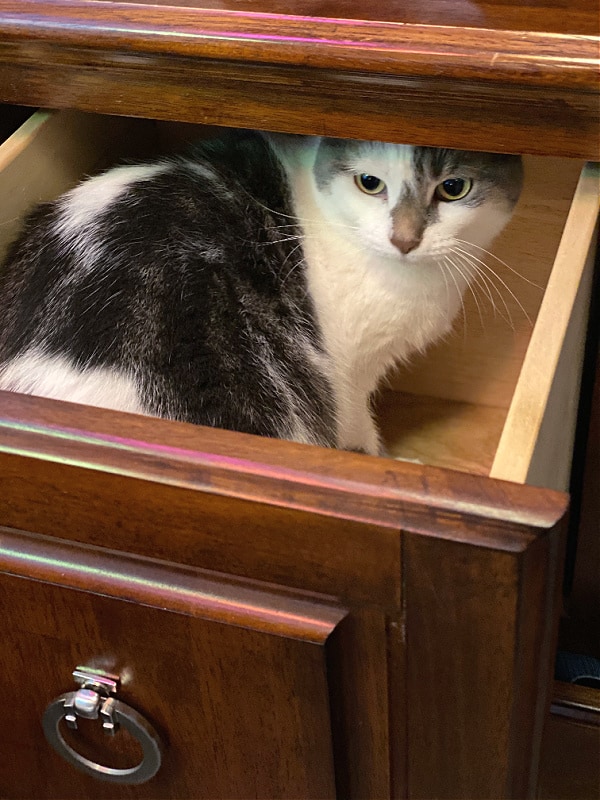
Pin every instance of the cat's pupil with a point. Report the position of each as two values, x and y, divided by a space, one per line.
453 186
370 182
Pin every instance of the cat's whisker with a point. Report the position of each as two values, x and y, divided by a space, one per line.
287 239
294 266
487 285
460 295
474 258
479 279
504 264
299 219
453 266
488 282
442 267
470 286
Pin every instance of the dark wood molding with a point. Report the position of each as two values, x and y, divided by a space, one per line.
472 87
534 58
332 484
164 585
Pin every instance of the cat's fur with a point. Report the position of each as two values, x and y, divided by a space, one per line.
252 286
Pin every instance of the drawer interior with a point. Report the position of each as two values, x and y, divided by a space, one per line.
487 400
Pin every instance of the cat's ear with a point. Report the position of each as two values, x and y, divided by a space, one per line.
289 146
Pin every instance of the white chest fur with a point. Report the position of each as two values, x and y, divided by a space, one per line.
373 311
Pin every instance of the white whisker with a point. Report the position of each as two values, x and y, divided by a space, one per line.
474 258
460 295
504 264
294 266
488 283
470 286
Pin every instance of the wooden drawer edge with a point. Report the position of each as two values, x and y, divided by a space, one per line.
22 138
579 703
537 439
47 156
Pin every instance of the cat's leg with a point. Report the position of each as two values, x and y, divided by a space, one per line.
357 428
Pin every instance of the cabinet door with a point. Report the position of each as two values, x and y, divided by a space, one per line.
234 679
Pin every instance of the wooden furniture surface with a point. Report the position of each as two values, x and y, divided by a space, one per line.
295 622
486 75
389 578
570 768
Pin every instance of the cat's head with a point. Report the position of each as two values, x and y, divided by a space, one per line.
409 203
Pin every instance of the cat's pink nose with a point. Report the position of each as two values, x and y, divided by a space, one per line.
405 245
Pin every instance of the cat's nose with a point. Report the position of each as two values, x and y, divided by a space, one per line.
405 245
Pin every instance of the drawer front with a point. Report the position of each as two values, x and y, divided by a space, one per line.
524 79
233 680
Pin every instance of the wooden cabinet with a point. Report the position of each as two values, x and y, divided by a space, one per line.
298 622
373 579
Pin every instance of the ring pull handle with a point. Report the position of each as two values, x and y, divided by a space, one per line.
95 700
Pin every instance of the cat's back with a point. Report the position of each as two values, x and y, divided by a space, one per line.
183 277
130 242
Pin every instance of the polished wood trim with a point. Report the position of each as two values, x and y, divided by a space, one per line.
330 483
391 48
168 586
542 15
580 703
473 88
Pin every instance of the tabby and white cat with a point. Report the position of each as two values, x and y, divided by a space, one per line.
265 284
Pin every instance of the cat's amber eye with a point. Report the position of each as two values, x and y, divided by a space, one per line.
453 189
370 184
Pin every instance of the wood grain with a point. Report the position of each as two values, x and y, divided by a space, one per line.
243 713
207 500
99 447
532 57
443 433
360 707
512 90
333 524
570 765
544 15
475 713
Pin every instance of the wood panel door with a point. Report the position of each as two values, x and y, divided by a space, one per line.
331 624
234 679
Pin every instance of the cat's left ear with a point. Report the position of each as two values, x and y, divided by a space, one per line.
288 145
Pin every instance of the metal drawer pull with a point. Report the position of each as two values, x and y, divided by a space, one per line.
95 700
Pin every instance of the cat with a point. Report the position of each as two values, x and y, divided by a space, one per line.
264 283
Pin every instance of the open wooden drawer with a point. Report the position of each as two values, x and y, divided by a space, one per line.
500 396
405 613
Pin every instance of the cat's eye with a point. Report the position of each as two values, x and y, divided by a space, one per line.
370 184
453 189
